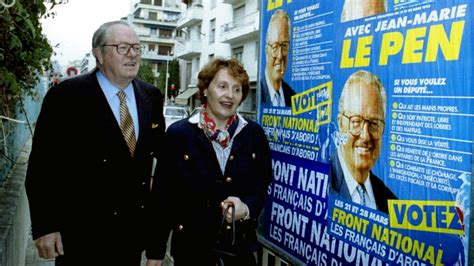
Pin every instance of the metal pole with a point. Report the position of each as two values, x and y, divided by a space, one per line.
166 79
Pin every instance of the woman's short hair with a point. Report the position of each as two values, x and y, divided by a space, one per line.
234 68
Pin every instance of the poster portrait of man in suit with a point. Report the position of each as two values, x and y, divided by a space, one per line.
275 91
361 122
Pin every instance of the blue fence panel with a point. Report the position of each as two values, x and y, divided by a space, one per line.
14 134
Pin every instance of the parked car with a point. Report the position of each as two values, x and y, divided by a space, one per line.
173 114
196 110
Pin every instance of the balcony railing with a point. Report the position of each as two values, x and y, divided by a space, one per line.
233 2
155 38
153 55
191 16
188 49
167 5
240 28
239 23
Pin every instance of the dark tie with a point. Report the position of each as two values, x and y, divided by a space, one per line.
126 123
362 194
277 98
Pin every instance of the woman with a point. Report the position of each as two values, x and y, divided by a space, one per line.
215 158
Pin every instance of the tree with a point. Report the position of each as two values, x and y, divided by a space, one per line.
174 74
146 73
161 78
24 56
173 69
24 50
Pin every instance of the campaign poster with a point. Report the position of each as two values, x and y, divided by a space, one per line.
368 108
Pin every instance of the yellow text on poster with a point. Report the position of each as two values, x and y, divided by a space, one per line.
272 4
428 216
317 98
357 53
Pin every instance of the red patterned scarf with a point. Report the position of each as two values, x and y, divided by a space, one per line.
210 129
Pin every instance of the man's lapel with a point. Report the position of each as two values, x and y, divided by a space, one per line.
105 123
144 115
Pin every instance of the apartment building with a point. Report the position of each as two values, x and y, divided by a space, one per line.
87 63
225 28
154 21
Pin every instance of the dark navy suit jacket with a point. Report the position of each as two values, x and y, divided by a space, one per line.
265 94
190 187
81 180
339 187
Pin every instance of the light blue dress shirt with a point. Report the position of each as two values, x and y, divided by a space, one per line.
110 92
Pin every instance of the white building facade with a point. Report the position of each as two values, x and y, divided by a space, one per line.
154 21
88 63
218 28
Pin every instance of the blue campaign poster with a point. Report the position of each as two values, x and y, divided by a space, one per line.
368 106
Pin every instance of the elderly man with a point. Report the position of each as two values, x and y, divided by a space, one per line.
89 171
274 91
362 108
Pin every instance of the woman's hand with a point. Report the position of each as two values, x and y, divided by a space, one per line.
241 209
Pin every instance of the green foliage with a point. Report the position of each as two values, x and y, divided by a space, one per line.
161 78
24 50
174 74
146 72
24 56
173 69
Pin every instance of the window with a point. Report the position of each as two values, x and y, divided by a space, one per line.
211 56
146 2
166 33
178 33
187 33
199 28
213 4
158 3
196 66
171 3
153 31
212 31
238 52
239 14
257 49
152 16
189 69
151 47
164 50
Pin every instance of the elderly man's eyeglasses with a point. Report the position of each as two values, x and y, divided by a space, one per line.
124 48
356 124
279 46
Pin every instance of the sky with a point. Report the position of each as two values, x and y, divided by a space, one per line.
75 22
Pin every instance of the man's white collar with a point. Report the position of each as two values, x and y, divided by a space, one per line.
350 180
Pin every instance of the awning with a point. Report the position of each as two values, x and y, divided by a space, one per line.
186 94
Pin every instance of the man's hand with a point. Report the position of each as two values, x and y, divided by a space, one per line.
50 246
154 262
241 209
